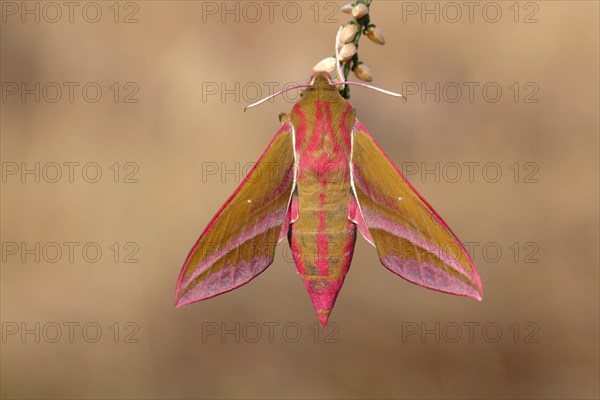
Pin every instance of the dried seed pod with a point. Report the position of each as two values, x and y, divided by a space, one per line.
347 51
375 34
347 34
360 10
363 72
347 8
325 65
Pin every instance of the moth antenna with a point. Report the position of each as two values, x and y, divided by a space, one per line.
304 85
337 56
368 87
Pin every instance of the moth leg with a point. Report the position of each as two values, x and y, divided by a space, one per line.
283 118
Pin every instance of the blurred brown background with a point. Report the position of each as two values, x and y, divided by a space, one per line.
533 230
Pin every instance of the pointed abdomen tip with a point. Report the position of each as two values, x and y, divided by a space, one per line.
323 318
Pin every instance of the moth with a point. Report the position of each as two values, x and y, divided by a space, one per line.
321 179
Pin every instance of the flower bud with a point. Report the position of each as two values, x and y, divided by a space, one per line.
347 8
347 51
325 65
375 34
348 33
360 10
363 72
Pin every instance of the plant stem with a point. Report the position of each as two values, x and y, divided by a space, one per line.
363 24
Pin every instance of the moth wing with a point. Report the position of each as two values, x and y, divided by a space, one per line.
239 242
411 239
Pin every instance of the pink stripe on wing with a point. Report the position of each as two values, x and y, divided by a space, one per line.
376 221
428 275
274 220
225 280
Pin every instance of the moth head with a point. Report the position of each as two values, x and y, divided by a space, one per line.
322 80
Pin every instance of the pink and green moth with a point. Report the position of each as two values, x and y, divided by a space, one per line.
321 179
